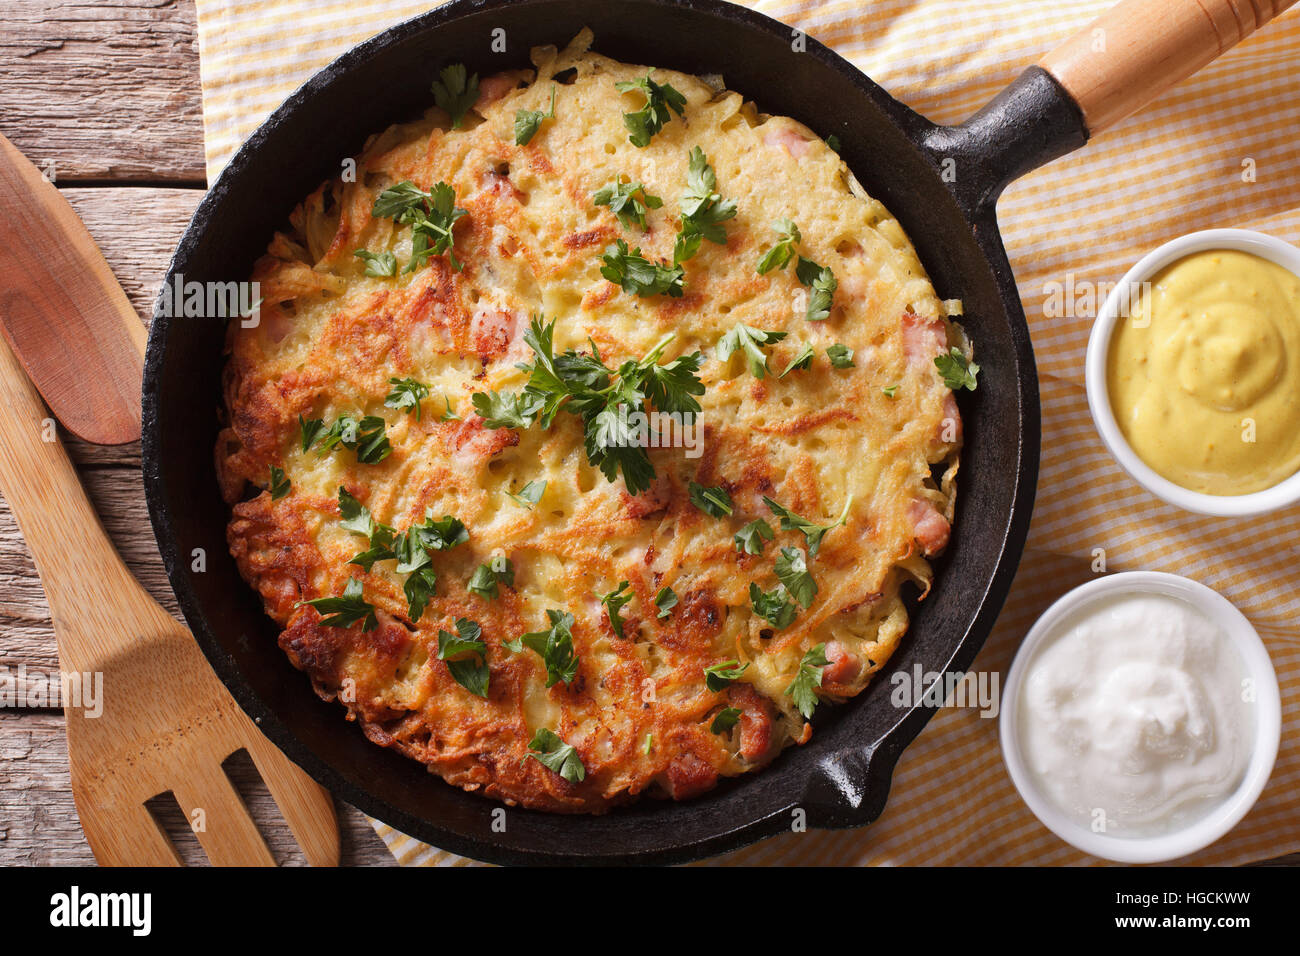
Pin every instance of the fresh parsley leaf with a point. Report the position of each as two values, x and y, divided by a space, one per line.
366 436
472 673
527 121
751 538
841 356
506 410
309 430
442 534
356 516
555 645
487 577
743 338
802 360
632 272
812 532
803 689
659 99
418 590
279 484
714 502
448 415
623 202
833 142
718 676
407 393
665 601
823 293
774 606
548 749
792 571
958 371
783 250
727 718
529 494
614 602
430 215
670 387
346 610
703 209
380 265
890 390
455 91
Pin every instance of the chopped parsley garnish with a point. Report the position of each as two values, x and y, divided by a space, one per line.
407 394
958 371
633 272
430 215
448 415
418 590
890 390
841 356
487 578
529 494
659 99
751 538
703 209
820 280
783 251
346 610
455 91
803 689
750 341
774 606
279 484
380 265
714 502
527 121
648 745
727 718
833 142
356 516
366 436
583 385
802 360
665 601
554 645
792 571
718 676
471 672
623 202
548 749
614 602
812 531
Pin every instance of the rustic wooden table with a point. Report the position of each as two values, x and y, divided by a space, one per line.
106 99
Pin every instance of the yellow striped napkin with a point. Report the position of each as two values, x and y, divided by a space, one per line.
1220 150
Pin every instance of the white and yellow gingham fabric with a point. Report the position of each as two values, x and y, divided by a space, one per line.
1219 150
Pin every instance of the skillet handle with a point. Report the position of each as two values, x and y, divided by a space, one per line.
1139 48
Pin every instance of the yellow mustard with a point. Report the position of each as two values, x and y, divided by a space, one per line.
1204 373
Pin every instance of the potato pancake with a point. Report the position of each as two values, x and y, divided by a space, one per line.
590 429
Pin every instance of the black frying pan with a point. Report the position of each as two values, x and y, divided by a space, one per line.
842 777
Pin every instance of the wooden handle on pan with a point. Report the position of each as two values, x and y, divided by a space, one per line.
83 576
1139 48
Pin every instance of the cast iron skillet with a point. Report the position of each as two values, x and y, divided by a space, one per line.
941 182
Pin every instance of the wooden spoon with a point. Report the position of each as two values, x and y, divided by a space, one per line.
167 722
59 300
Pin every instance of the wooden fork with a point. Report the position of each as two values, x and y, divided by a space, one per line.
167 722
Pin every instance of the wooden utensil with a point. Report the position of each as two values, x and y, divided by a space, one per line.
58 298
167 722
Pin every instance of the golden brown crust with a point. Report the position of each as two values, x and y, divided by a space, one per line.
638 711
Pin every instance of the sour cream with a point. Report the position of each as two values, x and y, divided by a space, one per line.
1135 716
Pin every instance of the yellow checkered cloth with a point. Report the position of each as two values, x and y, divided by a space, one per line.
1219 150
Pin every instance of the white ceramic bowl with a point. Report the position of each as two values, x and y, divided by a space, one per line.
1202 831
1286 492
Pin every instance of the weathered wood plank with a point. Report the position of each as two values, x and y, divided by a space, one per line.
103 91
38 820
